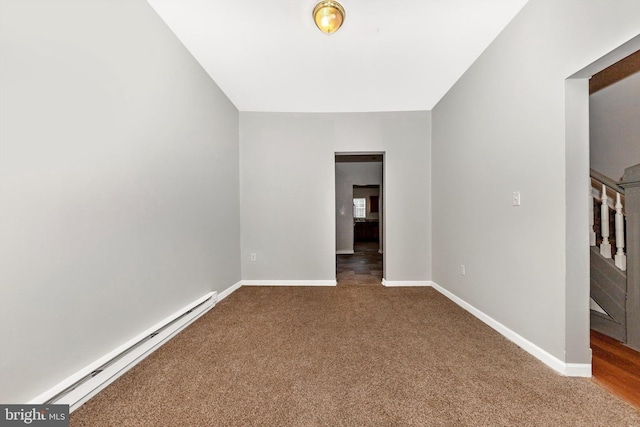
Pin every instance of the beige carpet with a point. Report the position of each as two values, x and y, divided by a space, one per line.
350 356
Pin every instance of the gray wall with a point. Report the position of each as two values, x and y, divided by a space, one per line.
501 129
347 175
615 128
119 182
288 191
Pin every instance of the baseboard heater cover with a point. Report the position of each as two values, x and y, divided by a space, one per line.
82 386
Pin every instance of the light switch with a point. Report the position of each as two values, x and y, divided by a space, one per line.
516 198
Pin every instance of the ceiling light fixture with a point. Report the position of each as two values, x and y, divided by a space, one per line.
328 16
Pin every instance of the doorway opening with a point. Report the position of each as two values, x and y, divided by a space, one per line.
580 259
614 132
359 219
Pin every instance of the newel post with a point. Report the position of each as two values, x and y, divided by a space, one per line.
631 184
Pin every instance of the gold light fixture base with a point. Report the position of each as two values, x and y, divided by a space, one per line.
328 16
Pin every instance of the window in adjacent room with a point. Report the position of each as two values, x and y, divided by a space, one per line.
360 208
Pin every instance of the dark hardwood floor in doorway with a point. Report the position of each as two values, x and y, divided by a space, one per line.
616 367
363 268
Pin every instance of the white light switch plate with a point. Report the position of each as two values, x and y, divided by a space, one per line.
516 198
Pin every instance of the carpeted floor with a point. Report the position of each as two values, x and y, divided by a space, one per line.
346 356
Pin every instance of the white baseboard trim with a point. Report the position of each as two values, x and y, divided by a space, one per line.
289 282
231 289
567 369
401 283
108 373
344 252
578 370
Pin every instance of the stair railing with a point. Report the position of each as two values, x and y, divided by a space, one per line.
610 197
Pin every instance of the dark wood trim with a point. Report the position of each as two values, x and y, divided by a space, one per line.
616 72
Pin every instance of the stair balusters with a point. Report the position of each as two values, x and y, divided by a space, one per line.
610 219
620 258
605 246
592 233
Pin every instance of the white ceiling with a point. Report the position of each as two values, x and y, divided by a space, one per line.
269 56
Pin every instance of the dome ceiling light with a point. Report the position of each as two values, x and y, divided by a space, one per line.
328 16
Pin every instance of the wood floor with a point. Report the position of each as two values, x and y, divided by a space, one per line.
363 268
616 367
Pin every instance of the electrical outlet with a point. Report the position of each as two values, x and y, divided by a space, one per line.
463 270
253 257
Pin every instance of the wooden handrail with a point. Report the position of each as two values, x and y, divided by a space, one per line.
603 179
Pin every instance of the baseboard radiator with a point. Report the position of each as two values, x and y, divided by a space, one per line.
88 382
